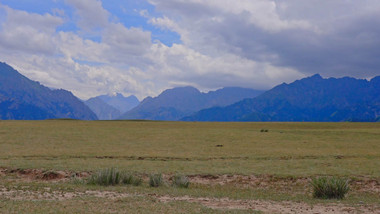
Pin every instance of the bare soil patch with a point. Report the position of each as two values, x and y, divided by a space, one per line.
43 175
214 203
273 206
359 184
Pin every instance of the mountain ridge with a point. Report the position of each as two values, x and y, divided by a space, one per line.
22 98
309 99
120 102
172 104
111 107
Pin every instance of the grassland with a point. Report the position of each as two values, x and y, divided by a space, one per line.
282 158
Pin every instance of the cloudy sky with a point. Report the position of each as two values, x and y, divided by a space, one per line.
142 47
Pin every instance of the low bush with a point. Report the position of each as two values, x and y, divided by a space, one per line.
106 177
130 179
330 187
77 180
156 180
181 181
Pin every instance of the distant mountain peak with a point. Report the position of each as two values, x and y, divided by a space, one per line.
173 104
110 103
316 76
180 90
102 109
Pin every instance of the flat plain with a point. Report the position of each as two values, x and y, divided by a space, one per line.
233 167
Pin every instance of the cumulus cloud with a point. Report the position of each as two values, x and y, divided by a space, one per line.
334 38
28 31
248 43
125 43
30 42
90 14
184 66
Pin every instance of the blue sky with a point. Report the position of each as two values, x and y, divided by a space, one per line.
126 12
94 47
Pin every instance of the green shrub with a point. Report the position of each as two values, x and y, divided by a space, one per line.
329 187
106 177
130 179
77 180
156 180
181 181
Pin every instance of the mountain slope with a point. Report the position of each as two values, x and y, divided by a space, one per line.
24 99
102 110
173 104
121 103
108 107
309 99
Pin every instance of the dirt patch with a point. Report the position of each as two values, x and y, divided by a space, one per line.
2 172
58 195
214 203
366 185
43 175
272 206
50 175
286 184
361 184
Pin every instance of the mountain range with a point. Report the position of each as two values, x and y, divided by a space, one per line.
108 107
24 99
173 104
308 99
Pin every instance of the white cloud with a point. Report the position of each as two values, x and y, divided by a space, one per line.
91 14
180 64
28 31
125 59
125 42
261 13
334 38
249 43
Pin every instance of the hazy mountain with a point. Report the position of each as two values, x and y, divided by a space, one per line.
102 110
121 103
173 104
108 107
24 99
309 99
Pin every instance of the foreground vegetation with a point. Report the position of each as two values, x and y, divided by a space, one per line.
238 161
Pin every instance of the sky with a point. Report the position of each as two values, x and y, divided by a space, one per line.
142 47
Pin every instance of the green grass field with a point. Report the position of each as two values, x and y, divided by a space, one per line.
287 150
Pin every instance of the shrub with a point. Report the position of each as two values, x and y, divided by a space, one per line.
106 177
77 180
156 180
130 179
330 187
181 181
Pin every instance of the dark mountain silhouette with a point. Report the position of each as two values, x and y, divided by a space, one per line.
309 99
24 99
173 104
102 110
